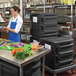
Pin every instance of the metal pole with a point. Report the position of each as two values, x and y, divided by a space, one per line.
34 4
21 7
4 6
44 6
24 12
75 10
75 15
43 66
21 71
57 1
72 18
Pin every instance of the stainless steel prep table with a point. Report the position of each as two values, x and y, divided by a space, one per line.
7 56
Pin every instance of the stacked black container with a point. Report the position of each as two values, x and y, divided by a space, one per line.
44 28
32 69
62 52
44 25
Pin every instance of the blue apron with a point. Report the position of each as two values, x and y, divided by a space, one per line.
14 36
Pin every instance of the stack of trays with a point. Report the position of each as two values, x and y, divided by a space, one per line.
62 52
44 25
44 29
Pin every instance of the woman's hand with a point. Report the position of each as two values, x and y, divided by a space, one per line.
4 29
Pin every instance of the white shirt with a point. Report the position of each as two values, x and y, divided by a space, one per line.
1 19
19 23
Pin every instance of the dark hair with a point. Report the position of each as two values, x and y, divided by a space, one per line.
16 9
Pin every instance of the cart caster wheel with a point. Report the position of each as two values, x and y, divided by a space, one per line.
55 74
73 72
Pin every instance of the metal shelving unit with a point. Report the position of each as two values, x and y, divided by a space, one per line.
51 6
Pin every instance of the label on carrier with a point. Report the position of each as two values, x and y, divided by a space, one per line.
35 41
48 46
35 19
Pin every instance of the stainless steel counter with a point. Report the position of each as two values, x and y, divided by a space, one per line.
8 57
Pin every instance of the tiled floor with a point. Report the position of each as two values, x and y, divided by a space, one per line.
68 73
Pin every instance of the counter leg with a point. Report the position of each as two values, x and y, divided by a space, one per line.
73 71
43 66
55 74
21 71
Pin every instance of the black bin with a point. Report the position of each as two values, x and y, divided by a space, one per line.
44 24
33 69
7 69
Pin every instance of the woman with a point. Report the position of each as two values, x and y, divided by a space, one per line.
15 25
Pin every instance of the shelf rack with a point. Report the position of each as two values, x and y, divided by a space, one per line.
52 6
56 5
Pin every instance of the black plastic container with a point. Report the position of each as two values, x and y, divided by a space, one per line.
32 69
7 69
53 64
61 51
44 25
44 29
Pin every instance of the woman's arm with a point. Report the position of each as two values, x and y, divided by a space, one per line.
12 30
6 28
